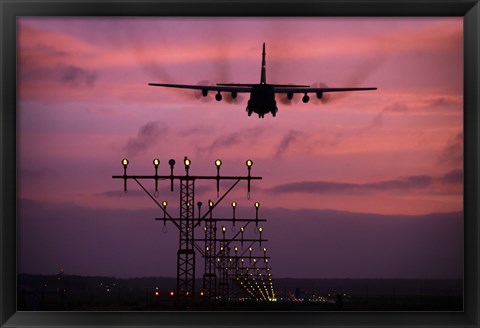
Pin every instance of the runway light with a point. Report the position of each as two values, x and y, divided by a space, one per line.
125 162
257 204
218 163
164 204
156 162
172 293
234 204
249 163
187 163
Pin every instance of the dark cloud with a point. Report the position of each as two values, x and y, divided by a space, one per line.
442 102
75 76
453 177
70 76
232 139
288 141
148 135
452 153
377 121
402 183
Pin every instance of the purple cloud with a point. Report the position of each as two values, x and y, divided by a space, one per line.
147 137
402 183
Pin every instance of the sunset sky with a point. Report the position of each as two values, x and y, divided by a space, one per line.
365 185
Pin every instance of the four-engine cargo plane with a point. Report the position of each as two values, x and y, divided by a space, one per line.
262 95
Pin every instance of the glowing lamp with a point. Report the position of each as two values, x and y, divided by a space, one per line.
125 162
249 163
156 162
218 163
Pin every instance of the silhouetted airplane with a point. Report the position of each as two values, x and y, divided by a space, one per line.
262 95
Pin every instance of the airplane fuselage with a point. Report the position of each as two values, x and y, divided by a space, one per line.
262 100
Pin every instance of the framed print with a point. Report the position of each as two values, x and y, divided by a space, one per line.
222 163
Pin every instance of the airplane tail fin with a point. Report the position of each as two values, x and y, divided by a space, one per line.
263 78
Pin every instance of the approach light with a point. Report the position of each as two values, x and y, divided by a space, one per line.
164 204
125 162
171 163
218 163
305 98
234 204
249 163
257 204
187 162
156 162
210 203
172 293
224 229
264 249
260 229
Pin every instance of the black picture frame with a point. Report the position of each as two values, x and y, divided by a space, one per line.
10 10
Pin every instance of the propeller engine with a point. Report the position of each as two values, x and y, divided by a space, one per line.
203 94
320 96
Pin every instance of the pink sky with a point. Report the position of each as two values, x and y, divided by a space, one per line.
84 104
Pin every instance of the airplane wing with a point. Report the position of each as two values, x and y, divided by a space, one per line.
223 88
316 90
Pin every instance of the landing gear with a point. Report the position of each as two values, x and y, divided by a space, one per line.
274 111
